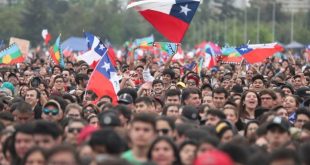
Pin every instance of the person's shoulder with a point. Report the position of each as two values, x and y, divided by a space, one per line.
127 154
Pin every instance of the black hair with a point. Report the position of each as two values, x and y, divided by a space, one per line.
237 152
172 92
43 127
220 90
64 148
69 97
177 160
187 142
170 72
56 66
268 92
303 111
108 138
206 86
129 91
165 109
167 119
147 100
145 118
218 113
6 116
157 81
197 134
81 76
23 107
284 154
124 110
31 151
37 91
188 91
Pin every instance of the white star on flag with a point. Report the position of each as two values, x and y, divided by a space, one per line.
243 49
87 40
106 66
185 9
101 47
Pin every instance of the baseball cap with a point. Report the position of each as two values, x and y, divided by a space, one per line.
213 157
181 84
303 92
190 113
125 98
109 118
280 122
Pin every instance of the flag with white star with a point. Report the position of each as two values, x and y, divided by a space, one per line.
170 17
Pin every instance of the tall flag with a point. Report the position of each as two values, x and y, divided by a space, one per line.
56 54
96 50
104 79
170 17
46 36
167 47
11 55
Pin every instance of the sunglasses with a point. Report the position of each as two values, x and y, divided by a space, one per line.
89 111
54 112
77 130
165 131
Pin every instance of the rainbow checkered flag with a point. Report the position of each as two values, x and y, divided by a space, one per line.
56 53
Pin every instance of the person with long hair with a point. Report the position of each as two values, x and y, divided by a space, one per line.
250 100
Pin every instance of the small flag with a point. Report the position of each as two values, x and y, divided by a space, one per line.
11 55
56 54
46 36
144 42
168 47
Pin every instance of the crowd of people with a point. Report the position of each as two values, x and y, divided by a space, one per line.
232 114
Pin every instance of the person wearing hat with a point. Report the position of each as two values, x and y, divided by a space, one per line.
52 111
192 81
277 133
126 100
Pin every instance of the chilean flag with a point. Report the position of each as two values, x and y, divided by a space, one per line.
170 17
259 52
104 80
95 52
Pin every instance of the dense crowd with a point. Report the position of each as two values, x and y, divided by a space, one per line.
232 114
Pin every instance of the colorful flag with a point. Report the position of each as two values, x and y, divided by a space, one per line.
11 55
104 79
144 42
96 49
212 52
56 54
167 47
170 17
46 36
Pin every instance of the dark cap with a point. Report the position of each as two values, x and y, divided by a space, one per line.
237 89
109 118
190 112
303 92
280 122
125 98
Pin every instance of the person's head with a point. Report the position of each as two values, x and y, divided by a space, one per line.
281 111
106 141
187 152
206 89
287 89
214 117
297 81
219 97
144 104
81 79
56 70
277 133
163 151
72 129
302 116
73 110
63 154
284 156
191 96
280 96
23 112
167 76
291 103
52 111
158 86
93 120
59 82
89 109
124 114
23 139
250 129
231 114
165 126
249 101
32 96
268 98
224 131
142 130
192 81
172 96
35 156
171 110
47 134
258 83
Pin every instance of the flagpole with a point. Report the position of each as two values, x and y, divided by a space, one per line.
273 21
292 26
258 25
245 25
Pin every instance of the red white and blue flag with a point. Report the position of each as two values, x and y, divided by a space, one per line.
104 80
96 50
170 17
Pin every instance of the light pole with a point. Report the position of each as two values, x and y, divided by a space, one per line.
258 25
274 21
245 35
292 25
